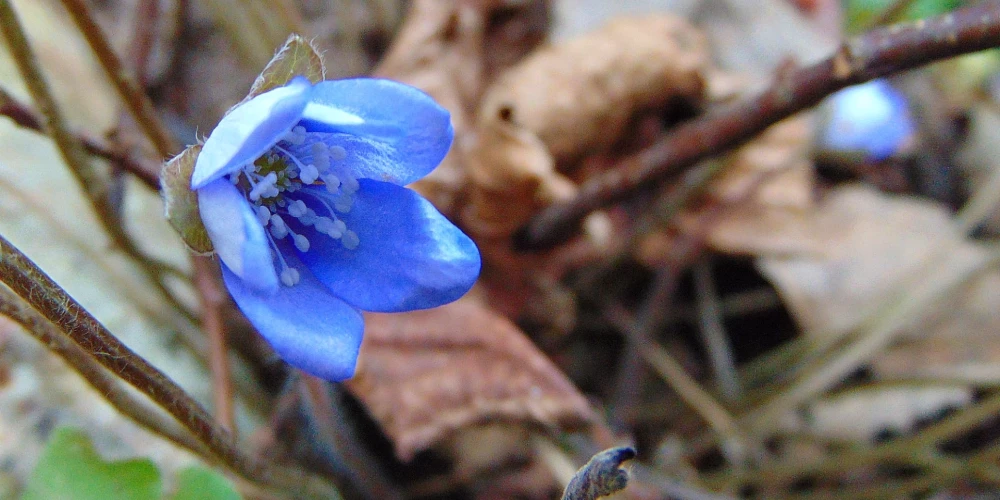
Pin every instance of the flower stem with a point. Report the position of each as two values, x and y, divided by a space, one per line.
211 299
43 294
105 383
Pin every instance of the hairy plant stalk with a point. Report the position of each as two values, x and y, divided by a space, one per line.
45 296
104 382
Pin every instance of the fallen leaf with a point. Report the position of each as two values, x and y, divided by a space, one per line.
579 96
862 247
427 375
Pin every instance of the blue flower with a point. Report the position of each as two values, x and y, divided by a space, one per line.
872 119
301 191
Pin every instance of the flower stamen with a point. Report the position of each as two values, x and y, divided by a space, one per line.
274 184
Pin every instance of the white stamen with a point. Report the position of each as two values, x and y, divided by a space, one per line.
337 153
297 208
264 187
289 276
321 156
278 228
330 227
301 242
349 185
350 240
296 136
308 218
309 174
263 215
343 203
332 183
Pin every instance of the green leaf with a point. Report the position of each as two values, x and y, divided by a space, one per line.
199 483
70 469
297 57
181 203
861 13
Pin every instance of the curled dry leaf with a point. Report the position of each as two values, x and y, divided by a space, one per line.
579 96
512 176
428 375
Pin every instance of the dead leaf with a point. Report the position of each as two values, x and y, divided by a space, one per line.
862 247
427 375
579 96
512 176
776 172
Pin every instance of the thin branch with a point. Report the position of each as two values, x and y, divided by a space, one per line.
133 96
146 171
104 382
43 294
713 333
880 52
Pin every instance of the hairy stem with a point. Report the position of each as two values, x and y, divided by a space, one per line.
43 294
104 382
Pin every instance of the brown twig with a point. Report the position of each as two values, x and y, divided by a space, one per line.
45 296
133 96
146 171
880 52
104 382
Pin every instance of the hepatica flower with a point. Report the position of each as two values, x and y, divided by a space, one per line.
301 192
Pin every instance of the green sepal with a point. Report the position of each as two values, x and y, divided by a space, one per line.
296 58
181 202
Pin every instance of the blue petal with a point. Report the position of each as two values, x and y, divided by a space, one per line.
249 130
307 326
236 234
410 131
409 257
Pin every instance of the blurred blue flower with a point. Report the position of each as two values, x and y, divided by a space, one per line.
872 120
301 191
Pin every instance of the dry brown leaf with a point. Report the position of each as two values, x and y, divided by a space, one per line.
776 170
427 375
512 177
579 96
862 248
760 202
